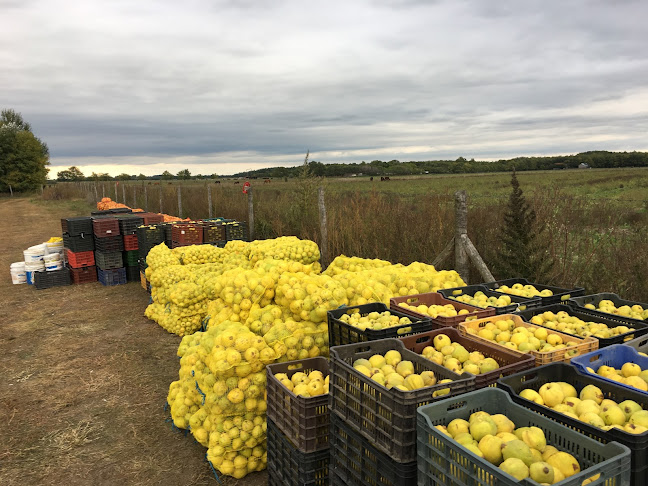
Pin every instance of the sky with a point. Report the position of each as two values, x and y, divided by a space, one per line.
227 86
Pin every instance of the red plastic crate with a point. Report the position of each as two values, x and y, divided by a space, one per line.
80 259
151 218
185 234
105 227
83 275
130 242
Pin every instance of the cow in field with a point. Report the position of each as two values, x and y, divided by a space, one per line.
371 179
266 181
236 182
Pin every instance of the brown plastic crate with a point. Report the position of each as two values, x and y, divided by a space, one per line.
185 234
130 242
386 417
151 218
510 362
83 275
213 232
434 298
585 345
304 420
105 227
80 258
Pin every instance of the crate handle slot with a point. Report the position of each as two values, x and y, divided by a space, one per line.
457 405
596 357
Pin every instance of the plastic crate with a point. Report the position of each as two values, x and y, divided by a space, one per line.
80 259
534 379
148 237
236 230
386 417
342 333
517 303
288 466
109 244
132 274
510 362
108 261
638 328
614 356
214 232
120 210
128 224
130 243
55 278
434 298
78 244
143 281
186 234
560 294
441 460
115 276
355 460
151 218
83 275
77 226
105 227
585 344
640 344
131 258
594 299
304 420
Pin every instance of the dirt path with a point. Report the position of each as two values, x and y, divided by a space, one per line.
84 377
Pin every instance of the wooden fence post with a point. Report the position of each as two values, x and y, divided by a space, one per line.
161 209
134 195
461 228
96 192
209 200
42 190
179 201
324 256
145 200
250 213
103 190
116 184
124 192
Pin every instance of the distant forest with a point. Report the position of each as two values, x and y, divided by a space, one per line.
595 159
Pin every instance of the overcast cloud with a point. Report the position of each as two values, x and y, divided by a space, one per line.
225 86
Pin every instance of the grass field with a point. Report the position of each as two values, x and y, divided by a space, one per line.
85 377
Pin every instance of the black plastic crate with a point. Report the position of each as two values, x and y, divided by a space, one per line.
355 461
120 210
128 224
115 276
79 243
342 333
214 233
236 230
535 378
638 328
517 303
148 237
55 278
132 274
109 261
442 460
595 299
77 226
288 466
386 417
640 344
142 264
560 294
304 420
109 244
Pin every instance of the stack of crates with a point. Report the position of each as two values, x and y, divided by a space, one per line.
128 225
148 236
108 251
78 240
298 428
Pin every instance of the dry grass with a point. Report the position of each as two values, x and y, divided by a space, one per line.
85 378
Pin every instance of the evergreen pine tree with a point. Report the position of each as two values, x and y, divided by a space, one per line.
524 253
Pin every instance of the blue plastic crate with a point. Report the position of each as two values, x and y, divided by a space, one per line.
115 276
613 356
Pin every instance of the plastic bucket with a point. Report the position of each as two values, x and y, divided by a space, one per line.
35 253
57 247
30 276
52 257
51 266
18 274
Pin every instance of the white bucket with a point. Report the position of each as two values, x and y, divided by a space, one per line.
35 253
30 276
18 274
57 247
52 257
51 266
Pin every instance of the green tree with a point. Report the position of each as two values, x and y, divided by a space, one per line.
184 174
71 174
103 176
167 175
141 177
23 157
123 177
524 252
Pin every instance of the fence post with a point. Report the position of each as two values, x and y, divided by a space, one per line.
179 201
116 184
209 201
134 195
461 228
103 190
161 209
145 200
96 192
124 192
323 227
42 190
250 213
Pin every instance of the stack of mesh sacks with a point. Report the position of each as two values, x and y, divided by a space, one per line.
259 303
